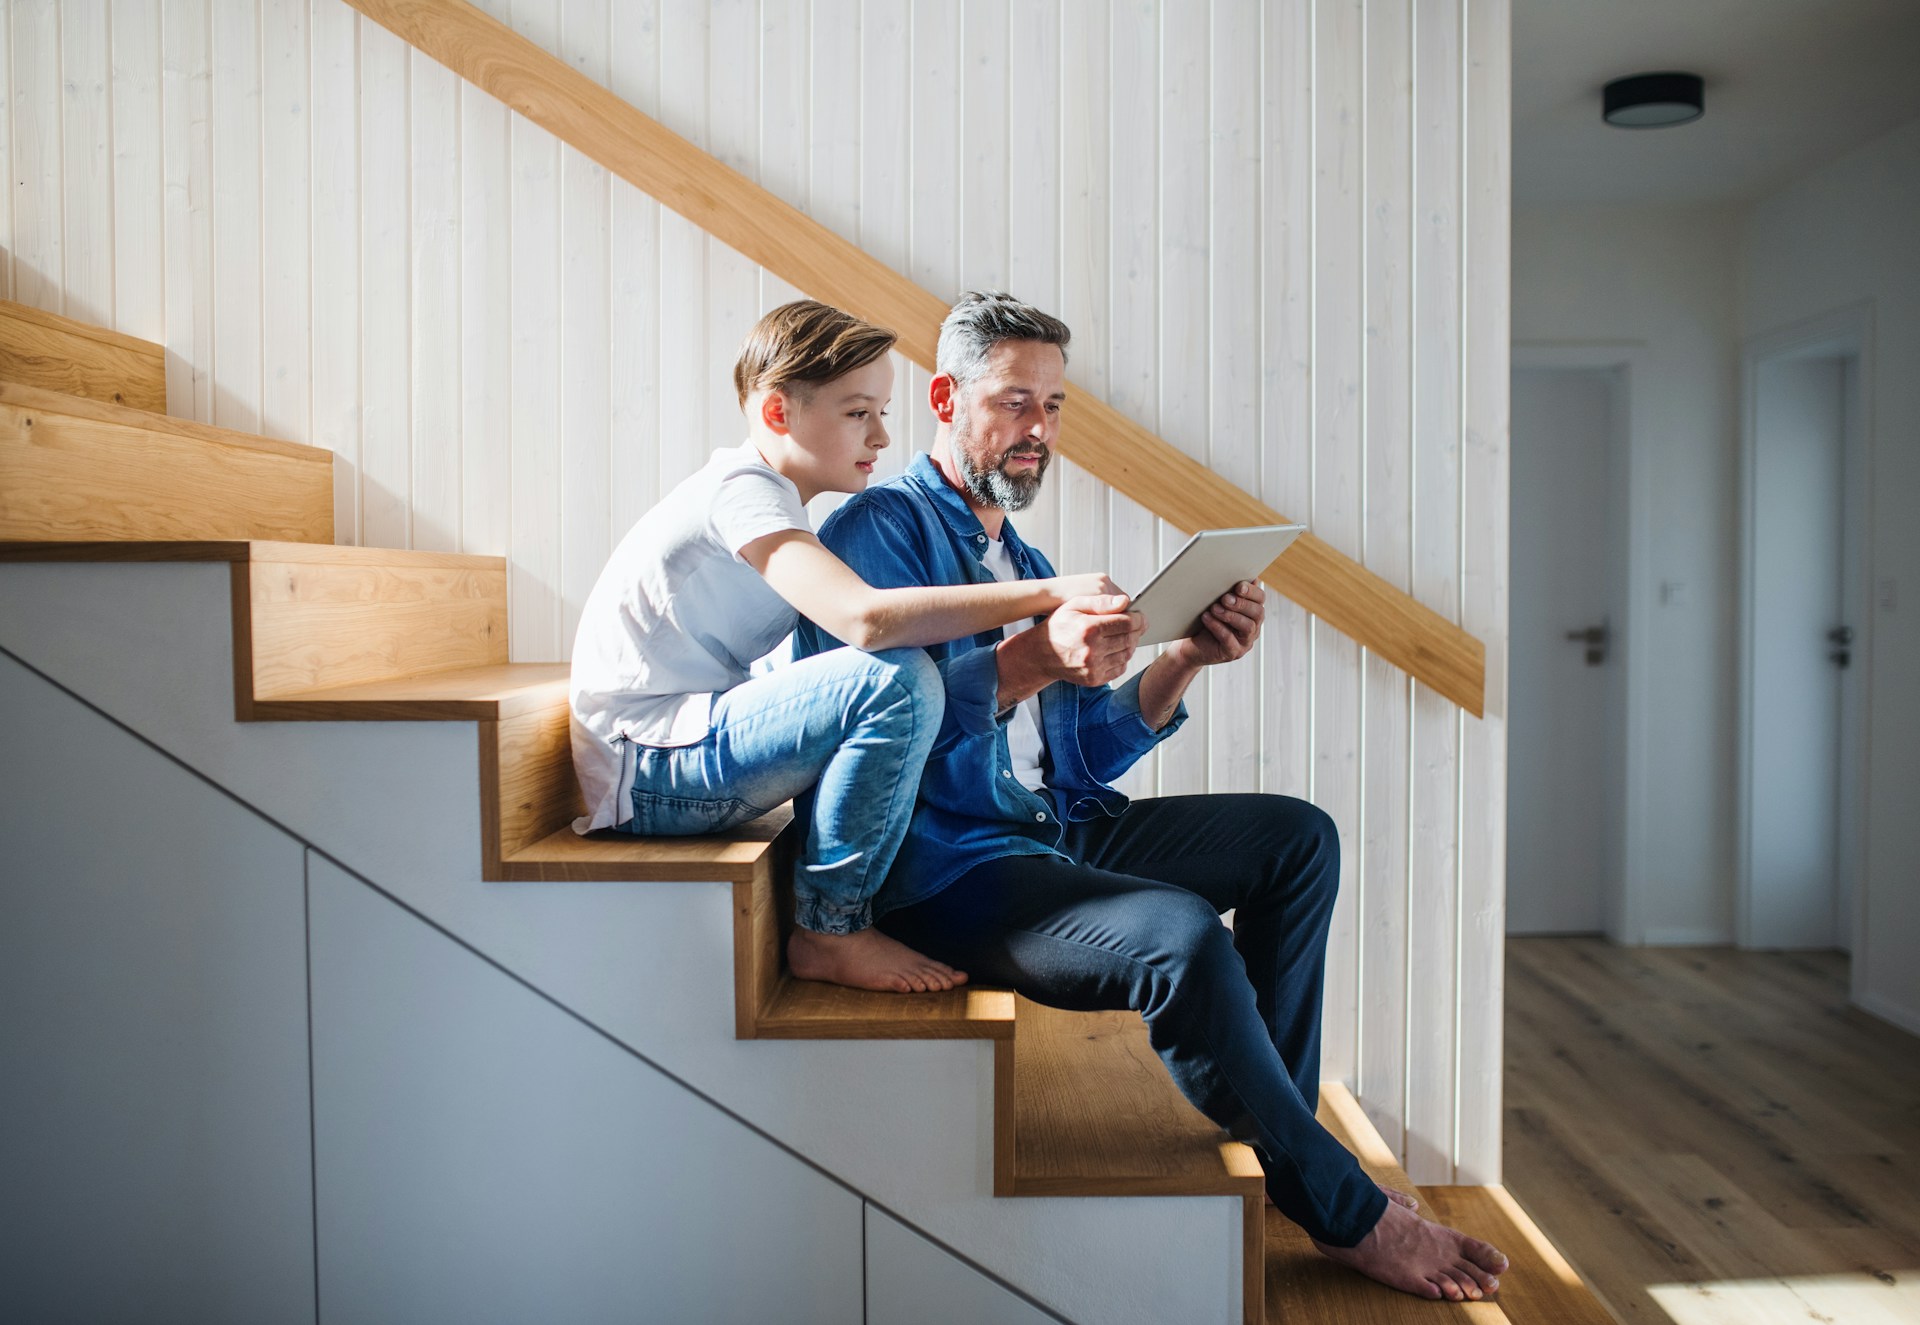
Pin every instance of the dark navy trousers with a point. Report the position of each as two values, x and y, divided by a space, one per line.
1132 920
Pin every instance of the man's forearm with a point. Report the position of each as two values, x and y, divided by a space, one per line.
1161 688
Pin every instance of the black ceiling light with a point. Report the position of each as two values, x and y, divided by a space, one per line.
1652 101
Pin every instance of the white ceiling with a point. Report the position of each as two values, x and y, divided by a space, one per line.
1790 84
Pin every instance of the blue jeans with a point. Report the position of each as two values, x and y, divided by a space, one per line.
853 728
1132 920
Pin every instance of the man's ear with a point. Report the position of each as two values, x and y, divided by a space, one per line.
940 397
773 412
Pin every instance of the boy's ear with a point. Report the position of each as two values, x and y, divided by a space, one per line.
773 412
940 397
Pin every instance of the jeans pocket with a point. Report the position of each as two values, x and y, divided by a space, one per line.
674 816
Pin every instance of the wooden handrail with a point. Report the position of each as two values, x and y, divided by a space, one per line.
810 257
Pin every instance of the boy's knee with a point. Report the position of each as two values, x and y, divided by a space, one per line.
912 673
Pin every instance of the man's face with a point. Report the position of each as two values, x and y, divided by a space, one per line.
1005 422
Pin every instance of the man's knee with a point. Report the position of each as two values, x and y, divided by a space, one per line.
1306 843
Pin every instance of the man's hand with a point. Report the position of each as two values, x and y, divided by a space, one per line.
1227 629
1087 641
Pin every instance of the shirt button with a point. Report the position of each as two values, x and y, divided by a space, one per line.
1040 818
1006 772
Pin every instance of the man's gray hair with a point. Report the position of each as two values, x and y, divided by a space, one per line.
980 321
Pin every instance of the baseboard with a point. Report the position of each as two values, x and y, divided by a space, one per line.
1907 1019
1681 936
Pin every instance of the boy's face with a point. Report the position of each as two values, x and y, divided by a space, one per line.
838 427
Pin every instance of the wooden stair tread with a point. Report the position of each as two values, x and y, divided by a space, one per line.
1540 1288
43 349
1095 1114
1303 1285
809 1010
491 692
41 400
564 856
239 549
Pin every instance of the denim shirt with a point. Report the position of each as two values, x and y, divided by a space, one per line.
916 530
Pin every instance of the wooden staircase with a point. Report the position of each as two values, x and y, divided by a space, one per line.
90 470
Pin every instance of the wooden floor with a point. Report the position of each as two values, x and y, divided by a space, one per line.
1714 1136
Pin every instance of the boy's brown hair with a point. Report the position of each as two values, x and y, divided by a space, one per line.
800 345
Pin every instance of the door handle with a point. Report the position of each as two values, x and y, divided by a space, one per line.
1596 639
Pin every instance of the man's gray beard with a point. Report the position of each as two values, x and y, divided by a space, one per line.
991 486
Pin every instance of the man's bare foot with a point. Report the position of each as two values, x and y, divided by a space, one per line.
1420 1257
867 959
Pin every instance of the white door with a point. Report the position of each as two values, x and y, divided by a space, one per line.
1799 638
1564 733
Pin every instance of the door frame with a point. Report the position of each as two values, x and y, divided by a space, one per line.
1844 332
1623 906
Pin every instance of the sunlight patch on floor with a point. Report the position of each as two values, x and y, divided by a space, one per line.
1837 1299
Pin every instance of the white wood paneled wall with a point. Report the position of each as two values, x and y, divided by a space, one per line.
1278 230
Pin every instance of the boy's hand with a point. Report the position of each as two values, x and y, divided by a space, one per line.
1088 641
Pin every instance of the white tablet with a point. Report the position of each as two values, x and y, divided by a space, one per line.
1212 562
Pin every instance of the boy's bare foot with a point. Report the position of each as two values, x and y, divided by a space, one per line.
1426 1259
867 959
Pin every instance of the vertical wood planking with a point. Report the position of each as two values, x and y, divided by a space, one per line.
686 436
1384 938
286 246
833 152
486 322
1185 421
1286 385
733 283
633 356
886 180
335 148
586 519
980 144
1433 816
1084 244
934 219
533 581
186 81
786 107
1033 199
1134 293
7 123
434 305
38 261
139 244
1234 350
86 161
1339 441
1483 599
386 443
236 215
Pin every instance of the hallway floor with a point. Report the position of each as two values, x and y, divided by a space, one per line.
1712 1135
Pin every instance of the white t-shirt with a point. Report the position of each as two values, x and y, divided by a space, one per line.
1026 740
675 618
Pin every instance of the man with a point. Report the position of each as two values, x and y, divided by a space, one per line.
1023 866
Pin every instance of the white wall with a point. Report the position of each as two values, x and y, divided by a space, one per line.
1844 235
1279 231
1653 289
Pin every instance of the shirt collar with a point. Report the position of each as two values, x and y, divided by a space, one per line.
959 516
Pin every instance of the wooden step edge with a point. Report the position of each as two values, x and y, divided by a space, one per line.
1301 1284
351 555
489 693
40 400
1541 1287
48 350
131 550
809 1010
